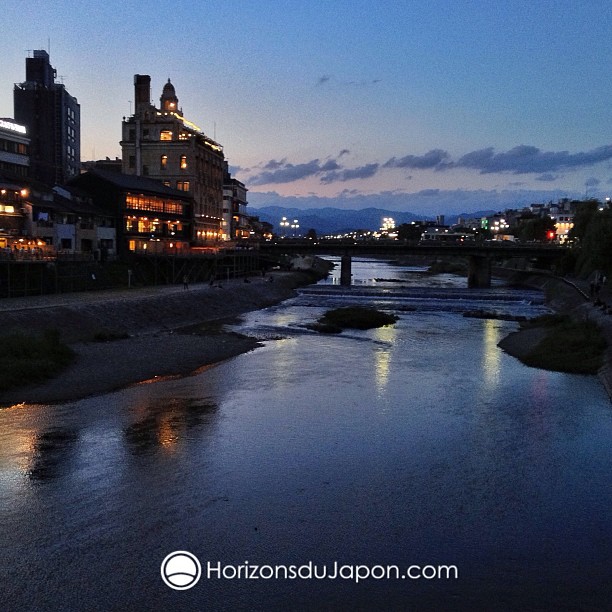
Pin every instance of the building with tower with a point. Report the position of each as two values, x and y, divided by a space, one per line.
160 143
53 120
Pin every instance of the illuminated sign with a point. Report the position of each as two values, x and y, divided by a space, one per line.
14 127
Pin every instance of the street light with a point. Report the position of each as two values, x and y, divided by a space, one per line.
295 226
284 224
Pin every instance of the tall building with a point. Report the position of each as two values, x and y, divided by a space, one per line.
53 119
162 144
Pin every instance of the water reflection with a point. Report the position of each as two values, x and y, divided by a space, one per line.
51 451
491 353
382 355
165 425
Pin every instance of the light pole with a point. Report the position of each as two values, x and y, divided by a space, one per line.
295 226
284 224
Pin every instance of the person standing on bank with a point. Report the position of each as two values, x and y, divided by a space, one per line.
185 282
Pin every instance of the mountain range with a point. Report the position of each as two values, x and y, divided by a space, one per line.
339 220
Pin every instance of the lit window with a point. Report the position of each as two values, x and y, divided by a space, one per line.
164 161
182 185
165 135
183 162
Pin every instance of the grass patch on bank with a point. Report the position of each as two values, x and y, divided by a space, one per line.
25 360
353 317
575 347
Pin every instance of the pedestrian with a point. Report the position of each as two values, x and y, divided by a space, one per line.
185 281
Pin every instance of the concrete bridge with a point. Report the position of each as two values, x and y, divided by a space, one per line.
479 256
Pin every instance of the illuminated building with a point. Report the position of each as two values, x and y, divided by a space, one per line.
14 150
235 224
149 217
14 191
162 144
564 222
53 120
65 220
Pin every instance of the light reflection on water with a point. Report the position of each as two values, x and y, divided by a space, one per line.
417 443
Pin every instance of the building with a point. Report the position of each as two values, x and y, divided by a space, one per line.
14 186
53 120
66 221
235 223
148 216
160 143
14 150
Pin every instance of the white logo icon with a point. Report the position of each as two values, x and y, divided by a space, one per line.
181 570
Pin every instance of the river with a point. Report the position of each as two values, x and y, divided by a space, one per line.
420 444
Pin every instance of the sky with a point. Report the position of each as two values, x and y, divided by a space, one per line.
424 106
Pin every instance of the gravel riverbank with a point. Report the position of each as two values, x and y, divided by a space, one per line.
164 337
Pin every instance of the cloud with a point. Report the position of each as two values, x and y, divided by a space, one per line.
520 160
283 172
275 165
349 174
436 158
592 182
526 159
323 79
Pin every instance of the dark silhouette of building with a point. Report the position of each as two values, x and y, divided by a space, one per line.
53 119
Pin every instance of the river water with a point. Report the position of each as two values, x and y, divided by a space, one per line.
417 444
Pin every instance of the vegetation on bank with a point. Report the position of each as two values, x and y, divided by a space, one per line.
352 317
448 267
25 359
569 346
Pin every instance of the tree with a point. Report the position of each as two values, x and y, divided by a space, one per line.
536 229
585 212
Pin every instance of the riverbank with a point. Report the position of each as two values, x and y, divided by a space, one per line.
569 299
166 335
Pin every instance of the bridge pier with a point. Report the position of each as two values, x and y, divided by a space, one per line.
479 271
345 270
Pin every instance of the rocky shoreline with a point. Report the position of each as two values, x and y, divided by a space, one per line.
571 299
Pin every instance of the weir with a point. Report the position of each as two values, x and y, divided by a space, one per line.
479 271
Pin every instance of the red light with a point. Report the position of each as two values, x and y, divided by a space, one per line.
550 234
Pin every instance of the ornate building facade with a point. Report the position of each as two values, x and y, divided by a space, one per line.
160 143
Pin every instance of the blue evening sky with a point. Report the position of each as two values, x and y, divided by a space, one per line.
430 106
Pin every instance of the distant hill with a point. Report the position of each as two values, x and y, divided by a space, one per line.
332 220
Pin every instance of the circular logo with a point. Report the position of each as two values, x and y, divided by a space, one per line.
181 570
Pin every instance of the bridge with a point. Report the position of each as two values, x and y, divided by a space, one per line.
479 255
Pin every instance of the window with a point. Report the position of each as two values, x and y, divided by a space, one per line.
132 161
164 161
165 135
182 185
183 162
